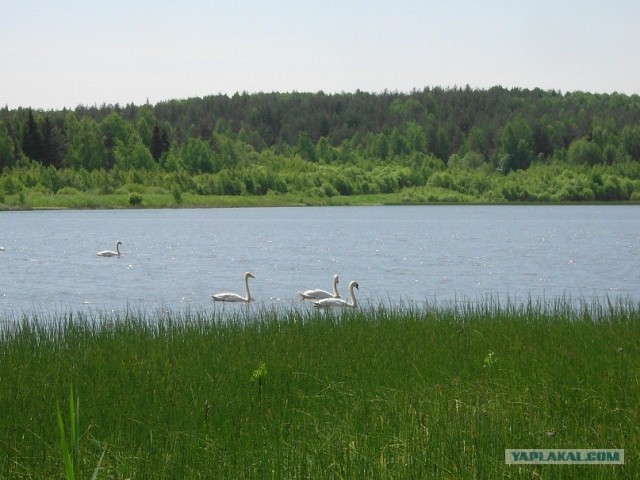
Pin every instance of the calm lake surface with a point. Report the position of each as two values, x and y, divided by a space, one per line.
175 259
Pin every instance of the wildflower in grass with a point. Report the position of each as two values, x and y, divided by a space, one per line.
259 373
490 360
258 376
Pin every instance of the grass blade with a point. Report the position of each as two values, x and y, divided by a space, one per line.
66 457
95 472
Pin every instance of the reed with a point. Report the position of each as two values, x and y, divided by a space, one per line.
377 392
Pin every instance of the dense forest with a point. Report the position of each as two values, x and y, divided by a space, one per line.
436 144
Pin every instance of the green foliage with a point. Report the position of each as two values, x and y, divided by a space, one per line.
70 449
135 200
197 157
584 151
133 154
469 161
517 146
85 148
177 194
631 141
115 130
7 156
10 186
453 143
306 148
540 183
67 191
144 123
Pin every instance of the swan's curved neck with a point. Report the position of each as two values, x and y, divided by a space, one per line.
246 287
335 287
354 303
118 248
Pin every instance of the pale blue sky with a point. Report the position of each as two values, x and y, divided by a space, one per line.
56 54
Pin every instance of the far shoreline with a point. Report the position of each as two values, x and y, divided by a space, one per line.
161 201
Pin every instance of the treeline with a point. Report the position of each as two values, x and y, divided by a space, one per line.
482 143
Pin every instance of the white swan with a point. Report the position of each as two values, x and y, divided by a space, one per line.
339 302
234 297
1 249
111 253
318 294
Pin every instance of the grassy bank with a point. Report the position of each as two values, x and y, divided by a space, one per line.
411 393
82 200
159 200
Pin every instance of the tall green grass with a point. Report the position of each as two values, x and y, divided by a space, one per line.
407 392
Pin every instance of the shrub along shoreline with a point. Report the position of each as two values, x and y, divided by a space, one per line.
367 393
87 201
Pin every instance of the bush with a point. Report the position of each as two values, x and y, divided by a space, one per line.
342 186
177 195
131 188
135 199
583 151
317 192
441 180
329 190
68 191
12 186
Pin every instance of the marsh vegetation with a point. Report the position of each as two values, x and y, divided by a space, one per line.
439 391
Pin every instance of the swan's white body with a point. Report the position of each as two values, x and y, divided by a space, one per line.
318 294
111 253
234 297
339 302
1 249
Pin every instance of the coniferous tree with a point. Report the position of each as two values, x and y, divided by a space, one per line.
32 139
159 142
53 144
7 149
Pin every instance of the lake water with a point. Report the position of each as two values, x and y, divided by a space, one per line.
175 259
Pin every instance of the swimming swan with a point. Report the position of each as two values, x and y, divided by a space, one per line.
319 294
234 297
111 253
339 302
